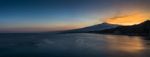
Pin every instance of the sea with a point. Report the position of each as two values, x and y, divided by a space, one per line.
72 45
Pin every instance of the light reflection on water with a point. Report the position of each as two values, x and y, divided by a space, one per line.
112 45
75 45
130 44
126 46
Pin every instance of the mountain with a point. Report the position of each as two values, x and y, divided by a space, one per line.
142 29
93 28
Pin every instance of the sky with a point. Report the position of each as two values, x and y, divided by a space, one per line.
57 15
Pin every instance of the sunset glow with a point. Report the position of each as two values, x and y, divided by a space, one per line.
131 18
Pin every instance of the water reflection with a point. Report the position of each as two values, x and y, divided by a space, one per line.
74 45
98 45
126 46
130 44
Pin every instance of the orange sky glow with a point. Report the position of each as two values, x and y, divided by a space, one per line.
129 15
128 20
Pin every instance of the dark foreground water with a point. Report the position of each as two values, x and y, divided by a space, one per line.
72 45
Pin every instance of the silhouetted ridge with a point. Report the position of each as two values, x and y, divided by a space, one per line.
93 28
140 29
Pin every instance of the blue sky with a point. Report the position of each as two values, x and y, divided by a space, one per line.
53 15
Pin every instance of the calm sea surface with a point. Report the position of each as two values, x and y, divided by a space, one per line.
73 45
